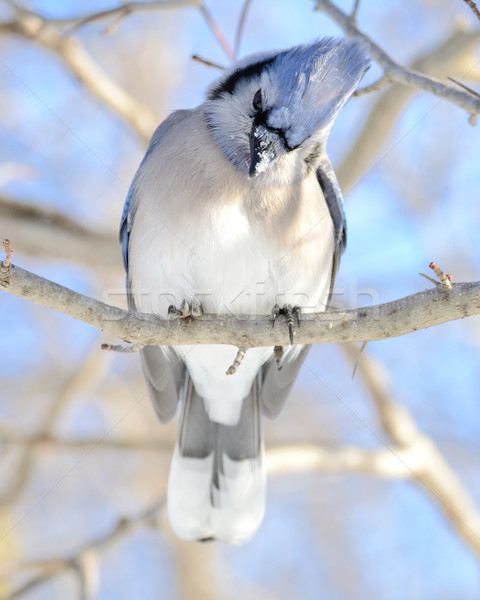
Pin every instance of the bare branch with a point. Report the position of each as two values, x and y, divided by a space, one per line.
354 13
46 233
217 32
373 87
465 87
474 8
83 66
395 71
8 256
388 463
241 27
124 9
418 311
82 560
451 55
103 443
445 280
84 376
431 471
207 63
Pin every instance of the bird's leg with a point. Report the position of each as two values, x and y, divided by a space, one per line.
290 313
237 362
188 308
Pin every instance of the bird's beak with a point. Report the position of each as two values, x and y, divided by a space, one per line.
265 146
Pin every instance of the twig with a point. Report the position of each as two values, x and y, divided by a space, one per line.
39 231
429 469
241 27
206 62
126 8
217 32
418 311
392 69
86 374
86 69
103 443
445 280
430 279
8 252
52 567
354 13
465 87
450 55
474 8
373 87
360 353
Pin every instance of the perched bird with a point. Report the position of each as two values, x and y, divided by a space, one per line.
236 209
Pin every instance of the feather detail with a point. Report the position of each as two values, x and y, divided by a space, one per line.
217 481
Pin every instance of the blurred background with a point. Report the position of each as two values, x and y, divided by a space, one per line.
381 495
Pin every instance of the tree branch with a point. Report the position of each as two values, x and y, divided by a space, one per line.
41 232
83 66
454 55
85 375
473 8
123 10
81 561
418 311
392 69
429 469
388 463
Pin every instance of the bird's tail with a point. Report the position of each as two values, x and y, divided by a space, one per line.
217 482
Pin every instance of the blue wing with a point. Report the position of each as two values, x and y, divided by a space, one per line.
126 222
164 371
334 199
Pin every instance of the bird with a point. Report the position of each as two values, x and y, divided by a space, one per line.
235 209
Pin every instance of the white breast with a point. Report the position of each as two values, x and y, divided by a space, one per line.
239 253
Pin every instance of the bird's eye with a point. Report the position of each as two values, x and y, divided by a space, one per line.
257 101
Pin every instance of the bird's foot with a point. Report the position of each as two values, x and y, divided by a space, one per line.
188 308
291 313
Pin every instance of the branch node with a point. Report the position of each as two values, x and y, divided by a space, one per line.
237 362
445 280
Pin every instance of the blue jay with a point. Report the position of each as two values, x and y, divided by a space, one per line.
235 209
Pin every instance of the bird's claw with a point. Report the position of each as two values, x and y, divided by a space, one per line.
188 308
290 313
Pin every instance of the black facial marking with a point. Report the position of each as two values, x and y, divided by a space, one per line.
228 86
261 118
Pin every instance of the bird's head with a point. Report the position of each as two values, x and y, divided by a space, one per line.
277 108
